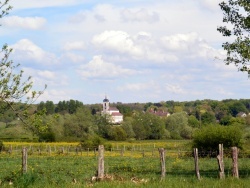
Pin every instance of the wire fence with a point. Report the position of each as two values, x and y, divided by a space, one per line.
119 161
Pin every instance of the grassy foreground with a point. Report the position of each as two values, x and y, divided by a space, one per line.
134 168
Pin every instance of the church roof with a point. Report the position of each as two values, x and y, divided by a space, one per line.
111 108
105 100
116 114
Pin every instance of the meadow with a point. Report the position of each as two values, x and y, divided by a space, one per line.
127 164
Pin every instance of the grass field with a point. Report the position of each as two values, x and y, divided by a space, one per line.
138 167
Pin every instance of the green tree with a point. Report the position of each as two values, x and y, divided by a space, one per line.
80 124
208 138
237 19
50 107
14 88
140 129
103 124
208 118
176 123
236 107
193 121
128 127
117 133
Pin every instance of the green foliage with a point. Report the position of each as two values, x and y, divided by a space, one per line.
48 106
47 137
128 127
70 106
117 133
148 126
208 138
80 124
177 125
208 118
236 16
193 121
94 141
237 121
1 145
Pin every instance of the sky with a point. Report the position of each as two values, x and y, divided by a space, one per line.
128 50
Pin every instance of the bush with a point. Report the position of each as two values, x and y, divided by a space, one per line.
93 142
1 146
209 137
47 137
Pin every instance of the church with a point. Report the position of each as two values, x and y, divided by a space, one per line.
116 116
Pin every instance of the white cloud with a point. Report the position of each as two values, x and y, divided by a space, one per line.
139 47
55 95
99 18
46 77
97 68
176 89
141 15
134 87
76 45
27 4
72 57
119 41
25 50
190 45
224 92
78 18
33 23
210 5
46 74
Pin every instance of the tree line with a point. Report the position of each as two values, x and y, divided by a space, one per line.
73 121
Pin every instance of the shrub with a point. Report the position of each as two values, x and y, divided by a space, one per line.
92 142
209 137
1 146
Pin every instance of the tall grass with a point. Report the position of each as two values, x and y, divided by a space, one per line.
130 170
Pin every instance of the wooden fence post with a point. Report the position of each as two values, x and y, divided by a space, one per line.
39 151
10 150
100 162
122 152
163 164
196 163
143 153
221 162
235 171
24 160
49 150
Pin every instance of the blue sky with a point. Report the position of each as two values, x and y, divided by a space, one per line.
131 51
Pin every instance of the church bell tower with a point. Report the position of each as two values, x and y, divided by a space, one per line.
105 105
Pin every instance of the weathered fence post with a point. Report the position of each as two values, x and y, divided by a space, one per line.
196 163
39 150
49 150
24 160
221 162
100 162
235 171
143 153
163 164
122 152
10 150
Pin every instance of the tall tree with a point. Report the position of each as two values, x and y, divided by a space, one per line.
14 88
237 16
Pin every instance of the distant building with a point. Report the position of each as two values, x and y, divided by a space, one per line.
160 113
116 116
241 114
